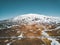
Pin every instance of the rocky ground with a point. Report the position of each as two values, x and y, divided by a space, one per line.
29 35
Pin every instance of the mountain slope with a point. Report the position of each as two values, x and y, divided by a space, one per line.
34 27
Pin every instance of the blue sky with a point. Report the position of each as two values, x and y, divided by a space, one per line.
12 8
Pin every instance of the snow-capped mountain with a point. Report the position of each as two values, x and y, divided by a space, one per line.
32 18
31 26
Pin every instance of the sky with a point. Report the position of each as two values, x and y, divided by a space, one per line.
13 8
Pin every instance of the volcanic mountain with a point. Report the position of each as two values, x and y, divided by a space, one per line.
31 19
30 27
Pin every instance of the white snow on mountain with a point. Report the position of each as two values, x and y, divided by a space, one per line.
33 18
